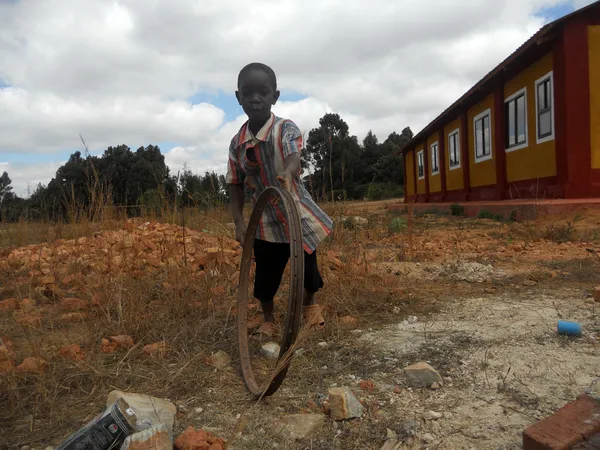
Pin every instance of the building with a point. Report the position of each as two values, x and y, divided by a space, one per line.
529 129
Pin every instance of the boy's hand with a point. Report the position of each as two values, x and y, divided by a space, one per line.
286 180
240 233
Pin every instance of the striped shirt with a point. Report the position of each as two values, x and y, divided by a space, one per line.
260 159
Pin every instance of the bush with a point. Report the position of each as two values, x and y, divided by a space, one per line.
383 191
397 225
485 214
457 210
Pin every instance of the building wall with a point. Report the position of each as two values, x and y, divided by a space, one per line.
594 64
535 160
421 189
435 181
409 173
482 173
454 178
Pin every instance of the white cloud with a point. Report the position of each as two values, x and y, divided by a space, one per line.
120 72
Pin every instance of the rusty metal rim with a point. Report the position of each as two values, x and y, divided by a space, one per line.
296 291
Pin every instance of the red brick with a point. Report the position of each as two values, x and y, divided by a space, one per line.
573 424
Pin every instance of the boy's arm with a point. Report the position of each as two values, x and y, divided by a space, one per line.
236 194
292 146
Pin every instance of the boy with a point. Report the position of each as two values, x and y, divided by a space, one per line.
266 150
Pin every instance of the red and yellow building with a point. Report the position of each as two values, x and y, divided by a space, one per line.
529 129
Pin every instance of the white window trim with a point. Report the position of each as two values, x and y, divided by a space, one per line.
436 143
549 75
475 119
421 152
452 133
526 143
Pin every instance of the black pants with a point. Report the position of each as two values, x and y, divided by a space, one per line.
271 260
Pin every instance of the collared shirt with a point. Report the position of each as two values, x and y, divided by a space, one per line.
260 159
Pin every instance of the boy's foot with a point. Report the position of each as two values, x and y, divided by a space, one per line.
268 329
312 314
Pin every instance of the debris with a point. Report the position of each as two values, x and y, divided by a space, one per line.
157 437
270 350
149 410
73 352
360 221
107 346
322 344
529 283
119 418
412 319
348 320
421 375
343 404
568 328
298 426
158 348
367 385
32 365
124 341
396 310
220 360
191 439
432 415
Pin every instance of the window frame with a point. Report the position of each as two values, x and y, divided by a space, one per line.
457 147
437 157
507 101
420 155
480 116
550 137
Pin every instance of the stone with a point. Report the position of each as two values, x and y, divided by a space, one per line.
220 360
157 437
428 437
597 294
343 404
158 348
72 352
435 386
149 410
30 320
421 375
32 365
412 319
432 415
72 304
348 320
270 350
27 305
360 221
6 367
529 283
367 385
191 439
124 341
9 304
298 426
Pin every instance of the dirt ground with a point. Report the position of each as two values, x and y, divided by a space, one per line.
477 299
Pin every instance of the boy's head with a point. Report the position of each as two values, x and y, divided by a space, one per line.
257 91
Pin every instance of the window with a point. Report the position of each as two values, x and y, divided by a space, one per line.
483 136
544 101
454 149
421 165
435 165
516 120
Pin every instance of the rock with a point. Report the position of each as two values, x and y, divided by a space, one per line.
396 310
156 349
32 365
27 305
435 386
124 341
157 437
30 320
348 320
597 294
428 437
220 360
73 317
432 415
412 319
298 426
421 375
389 434
9 304
148 410
529 283
72 352
270 350
322 344
360 221
191 439
72 304
367 385
6 367
343 404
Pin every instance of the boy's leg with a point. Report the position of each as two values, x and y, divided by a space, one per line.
312 283
271 259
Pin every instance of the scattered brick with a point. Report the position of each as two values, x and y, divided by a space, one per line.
572 424
73 352
9 304
32 365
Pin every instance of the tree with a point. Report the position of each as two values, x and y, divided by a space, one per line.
5 185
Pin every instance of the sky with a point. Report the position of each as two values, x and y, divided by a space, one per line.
141 72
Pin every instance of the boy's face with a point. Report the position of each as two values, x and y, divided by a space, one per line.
256 95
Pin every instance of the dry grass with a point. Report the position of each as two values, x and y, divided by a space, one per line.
185 312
